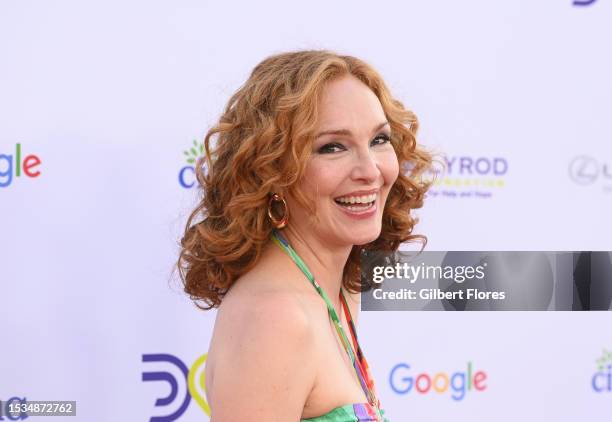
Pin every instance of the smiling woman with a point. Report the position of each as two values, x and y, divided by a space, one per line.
304 174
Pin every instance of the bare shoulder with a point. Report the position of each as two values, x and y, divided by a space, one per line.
262 370
263 310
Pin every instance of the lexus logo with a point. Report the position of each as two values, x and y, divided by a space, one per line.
584 170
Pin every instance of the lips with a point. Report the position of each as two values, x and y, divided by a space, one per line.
359 202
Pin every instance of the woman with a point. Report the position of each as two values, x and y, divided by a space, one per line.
304 174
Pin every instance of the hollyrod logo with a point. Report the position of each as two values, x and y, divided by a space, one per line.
186 176
192 378
602 378
13 166
404 380
470 177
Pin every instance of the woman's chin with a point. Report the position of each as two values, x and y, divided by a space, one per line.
363 237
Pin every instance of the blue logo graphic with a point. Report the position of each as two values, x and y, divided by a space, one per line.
5 407
584 2
193 379
602 379
187 174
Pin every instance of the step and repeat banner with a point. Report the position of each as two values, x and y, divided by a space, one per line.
103 105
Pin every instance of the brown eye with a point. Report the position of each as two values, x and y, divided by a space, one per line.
381 139
330 148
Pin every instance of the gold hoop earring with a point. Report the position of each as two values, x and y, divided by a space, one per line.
282 222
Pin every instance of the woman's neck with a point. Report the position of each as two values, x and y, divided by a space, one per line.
324 260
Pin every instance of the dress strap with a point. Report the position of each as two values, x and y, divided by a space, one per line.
349 318
363 363
358 361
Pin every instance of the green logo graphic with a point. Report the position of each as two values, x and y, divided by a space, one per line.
194 152
606 357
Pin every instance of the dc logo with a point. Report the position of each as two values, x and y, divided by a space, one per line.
192 378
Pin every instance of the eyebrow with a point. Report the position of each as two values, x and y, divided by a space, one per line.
346 132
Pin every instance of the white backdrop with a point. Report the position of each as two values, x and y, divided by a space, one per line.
108 95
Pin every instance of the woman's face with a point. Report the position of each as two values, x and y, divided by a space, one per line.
352 167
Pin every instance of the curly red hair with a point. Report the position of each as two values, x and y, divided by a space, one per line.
261 145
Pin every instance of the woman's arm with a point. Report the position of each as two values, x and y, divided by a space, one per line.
266 369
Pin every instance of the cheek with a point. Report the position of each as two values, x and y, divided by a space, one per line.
322 178
389 167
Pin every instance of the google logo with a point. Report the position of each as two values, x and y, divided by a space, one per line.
27 166
403 381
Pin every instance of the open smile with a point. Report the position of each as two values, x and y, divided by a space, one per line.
361 206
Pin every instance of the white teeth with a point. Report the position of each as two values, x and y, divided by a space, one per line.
364 199
360 207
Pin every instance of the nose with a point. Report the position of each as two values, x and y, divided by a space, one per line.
365 167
